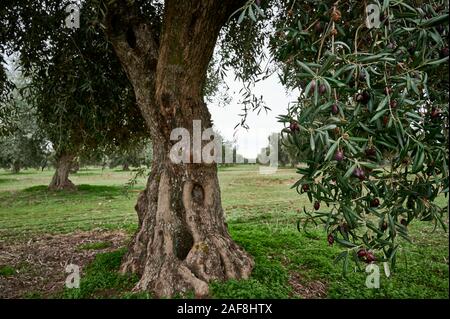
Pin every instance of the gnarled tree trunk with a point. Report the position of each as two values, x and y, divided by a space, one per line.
60 180
182 243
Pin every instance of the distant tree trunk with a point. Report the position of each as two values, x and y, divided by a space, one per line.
16 167
182 242
125 166
43 165
60 180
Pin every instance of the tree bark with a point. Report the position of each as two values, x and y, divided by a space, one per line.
125 167
60 180
182 242
16 167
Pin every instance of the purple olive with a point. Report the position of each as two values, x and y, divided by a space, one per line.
330 239
339 156
375 202
316 205
370 257
322 89
334 109
371 152
293 126
359 173
312 87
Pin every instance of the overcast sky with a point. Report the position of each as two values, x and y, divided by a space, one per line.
249 142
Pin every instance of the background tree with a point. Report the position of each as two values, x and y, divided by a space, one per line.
131 156
82 97
22 144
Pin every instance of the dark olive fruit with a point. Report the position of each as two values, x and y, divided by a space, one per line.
363 97
370 257
334 109
384 226
435 113
385 120
403 222
375 202
362 253
322 89
410 203
412 49
293 126
316 205
318 27
339 155
444 52
305 187
359 173
312 87
330 239
393 104
258 2
371 152
440 28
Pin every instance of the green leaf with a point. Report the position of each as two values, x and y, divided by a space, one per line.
434 21
438 61
382 103
350 171
312 142
251 13
418 160
345 243
306 68
331 151
328 63
378 115
241 16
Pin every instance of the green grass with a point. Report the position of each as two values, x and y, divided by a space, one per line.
261 212
7 271
102 279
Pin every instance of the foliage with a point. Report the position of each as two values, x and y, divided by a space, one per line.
373 108
82 96
23 144
134 155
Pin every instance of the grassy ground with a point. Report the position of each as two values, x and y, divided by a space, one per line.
261 212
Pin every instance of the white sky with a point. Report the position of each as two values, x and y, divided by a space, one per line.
249 142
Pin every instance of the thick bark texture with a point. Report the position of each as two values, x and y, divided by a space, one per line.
182 242
60 180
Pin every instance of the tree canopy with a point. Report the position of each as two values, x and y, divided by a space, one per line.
81 94
374 109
